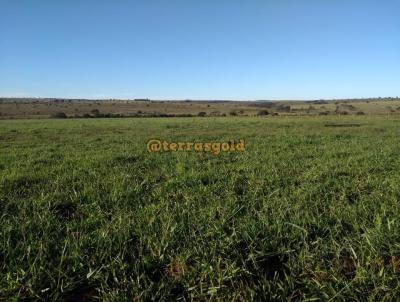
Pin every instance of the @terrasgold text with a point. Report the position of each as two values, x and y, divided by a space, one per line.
156 145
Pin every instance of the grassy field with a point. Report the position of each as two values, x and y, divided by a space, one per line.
310 210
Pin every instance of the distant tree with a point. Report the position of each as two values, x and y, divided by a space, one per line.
59 115
262 112
95 112
215 113
284 108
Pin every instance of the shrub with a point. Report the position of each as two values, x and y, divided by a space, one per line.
284 108
59 115
215 113
360 113
262 112
233 113
95 112
202 113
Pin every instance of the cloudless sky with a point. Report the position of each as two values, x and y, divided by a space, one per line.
200 49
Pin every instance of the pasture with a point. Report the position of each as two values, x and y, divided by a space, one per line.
310 210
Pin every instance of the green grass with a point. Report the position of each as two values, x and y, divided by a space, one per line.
310 210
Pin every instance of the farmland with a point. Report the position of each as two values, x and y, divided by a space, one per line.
309 211
77 108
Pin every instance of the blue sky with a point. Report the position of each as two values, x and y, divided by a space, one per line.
200 49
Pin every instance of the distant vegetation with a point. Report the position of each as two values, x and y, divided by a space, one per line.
59 115
44 108
263 112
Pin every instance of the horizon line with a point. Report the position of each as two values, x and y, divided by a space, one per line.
198 99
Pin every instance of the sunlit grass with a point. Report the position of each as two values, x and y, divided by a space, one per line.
310 210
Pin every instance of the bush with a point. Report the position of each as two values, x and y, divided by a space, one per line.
215 113
95 112
360 113
233 113
284 108
59 115
262 112
202 113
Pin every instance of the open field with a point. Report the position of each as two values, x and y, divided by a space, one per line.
44 108
309 211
